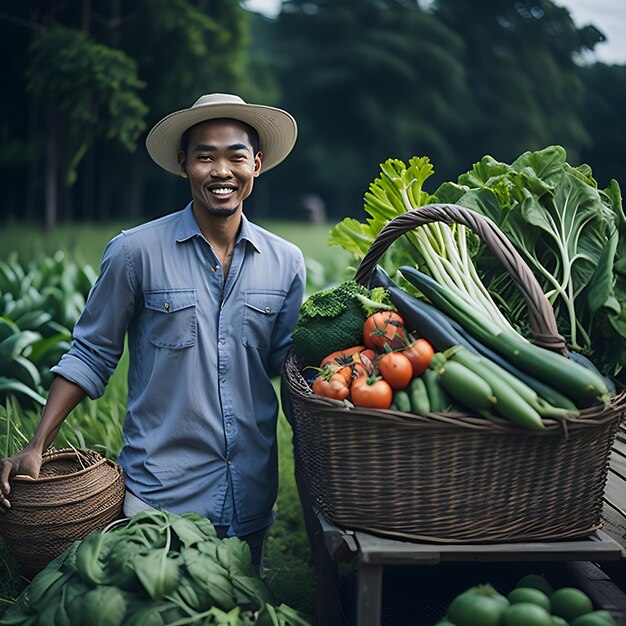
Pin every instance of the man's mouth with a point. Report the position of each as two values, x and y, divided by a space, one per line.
222 191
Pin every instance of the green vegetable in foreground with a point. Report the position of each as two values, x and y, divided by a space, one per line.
160 569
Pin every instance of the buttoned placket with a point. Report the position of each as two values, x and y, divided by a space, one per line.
223 357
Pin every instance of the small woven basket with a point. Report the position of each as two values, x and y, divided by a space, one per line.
454 478
77 491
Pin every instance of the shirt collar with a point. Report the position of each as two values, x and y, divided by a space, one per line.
188 228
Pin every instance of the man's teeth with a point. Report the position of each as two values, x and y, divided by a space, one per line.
222 191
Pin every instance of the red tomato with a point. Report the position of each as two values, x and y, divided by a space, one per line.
334 386
346 372
384 328
396 369
374 393
420 353
343 357
364 363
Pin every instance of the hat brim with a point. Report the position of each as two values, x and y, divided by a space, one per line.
277 131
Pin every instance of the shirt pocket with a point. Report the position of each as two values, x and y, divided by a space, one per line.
171 318
260 314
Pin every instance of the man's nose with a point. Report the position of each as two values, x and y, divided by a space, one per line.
220 169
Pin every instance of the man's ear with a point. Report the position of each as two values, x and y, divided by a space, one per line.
258 158
182 162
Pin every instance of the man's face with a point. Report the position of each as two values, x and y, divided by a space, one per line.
221 166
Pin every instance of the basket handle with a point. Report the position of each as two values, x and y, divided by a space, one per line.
540 313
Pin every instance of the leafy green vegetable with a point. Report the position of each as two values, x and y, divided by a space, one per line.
333 319
570 233
440 250
186 574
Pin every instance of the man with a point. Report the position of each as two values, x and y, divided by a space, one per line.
208 301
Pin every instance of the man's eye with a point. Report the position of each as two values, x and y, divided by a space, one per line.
238 157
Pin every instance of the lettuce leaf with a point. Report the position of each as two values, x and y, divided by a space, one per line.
570 233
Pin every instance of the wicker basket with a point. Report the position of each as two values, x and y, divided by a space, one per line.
454 478
77 491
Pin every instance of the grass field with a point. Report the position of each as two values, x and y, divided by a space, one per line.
86 242
97 424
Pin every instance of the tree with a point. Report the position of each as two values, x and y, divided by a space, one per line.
521 63
90 92
367 80
603 109
90 76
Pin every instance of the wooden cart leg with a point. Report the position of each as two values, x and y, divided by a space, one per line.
327 604
369 595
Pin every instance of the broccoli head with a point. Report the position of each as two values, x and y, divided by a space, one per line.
332 319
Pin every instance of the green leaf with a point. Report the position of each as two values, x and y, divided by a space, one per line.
157 572
9 386
51 348
23 370
103 606
17 344
7 328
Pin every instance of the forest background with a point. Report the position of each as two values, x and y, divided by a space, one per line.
366 80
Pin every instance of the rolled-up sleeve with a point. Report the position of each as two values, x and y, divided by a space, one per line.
288 317
98 336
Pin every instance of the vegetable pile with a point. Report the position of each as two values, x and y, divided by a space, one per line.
482 358
533 602
159 569
571 234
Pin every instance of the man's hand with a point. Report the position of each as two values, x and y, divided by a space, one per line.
25 463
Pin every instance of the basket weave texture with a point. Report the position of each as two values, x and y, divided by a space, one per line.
453 478
77 492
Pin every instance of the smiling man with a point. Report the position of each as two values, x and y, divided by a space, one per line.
208 302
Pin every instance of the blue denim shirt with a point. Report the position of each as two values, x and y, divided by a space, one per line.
200 426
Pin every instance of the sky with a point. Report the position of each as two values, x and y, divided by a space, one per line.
608 16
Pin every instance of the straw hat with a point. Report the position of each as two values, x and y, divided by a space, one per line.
277 129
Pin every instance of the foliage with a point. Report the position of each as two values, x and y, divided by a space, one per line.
39 304
520 61
382 77
604 99
366 79
572 236
75 107
92 86
159 566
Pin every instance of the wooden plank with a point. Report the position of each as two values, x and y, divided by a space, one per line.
614 492
603 592
614 524
598 547
617 461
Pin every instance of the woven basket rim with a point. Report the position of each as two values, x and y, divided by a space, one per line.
66 452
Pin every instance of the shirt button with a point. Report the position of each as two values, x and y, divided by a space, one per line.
228 461
268 309
213 270
228 425
221 342
223 381
166 306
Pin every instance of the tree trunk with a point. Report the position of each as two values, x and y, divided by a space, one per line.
88 182
136 199
86 16
51 172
